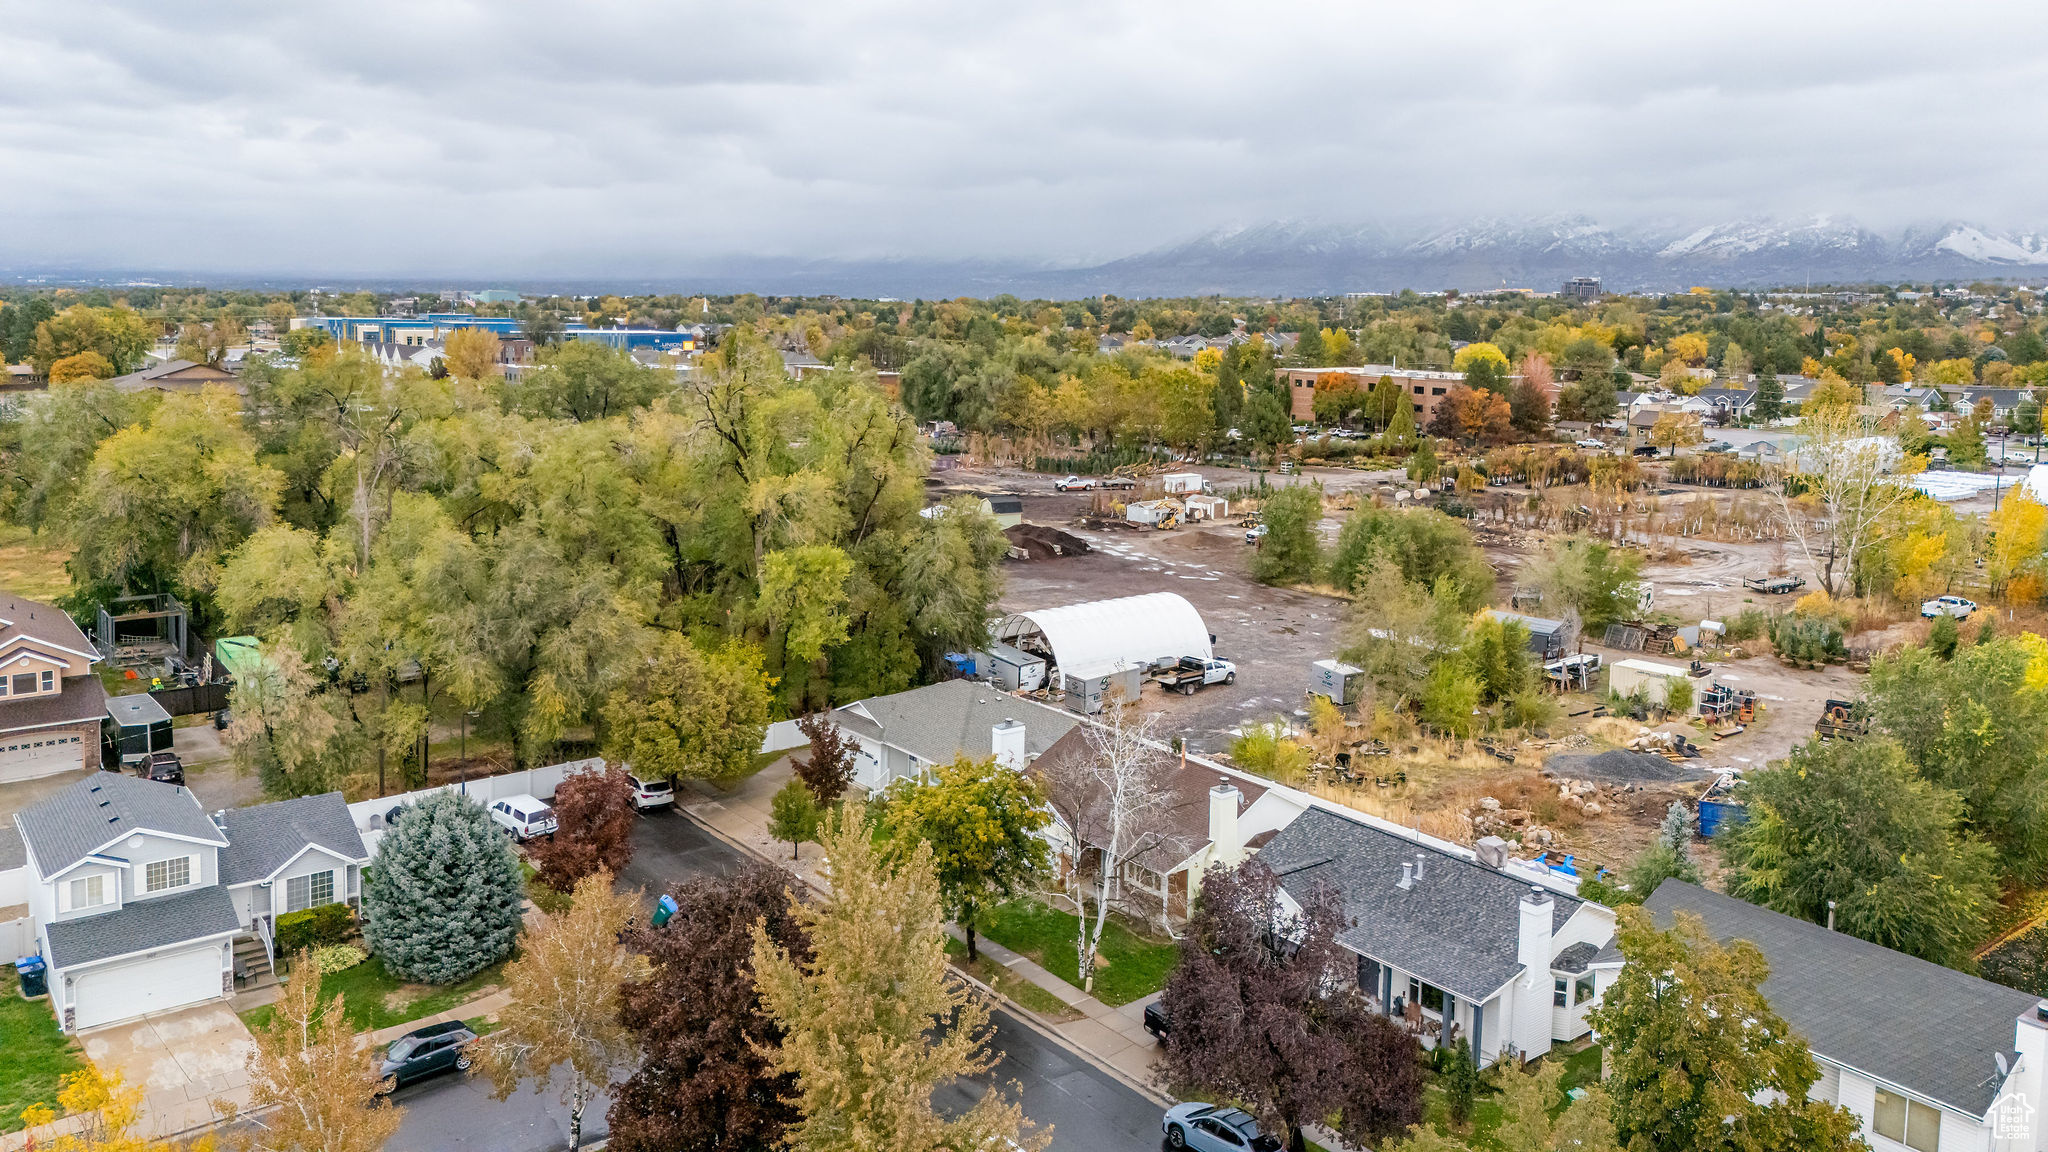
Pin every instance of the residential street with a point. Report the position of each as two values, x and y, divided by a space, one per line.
1088 1109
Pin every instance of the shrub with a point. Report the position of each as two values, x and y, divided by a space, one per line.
1266 750
338 957
327 925
1678 696
1808 639
1748 624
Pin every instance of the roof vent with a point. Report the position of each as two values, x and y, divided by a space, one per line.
1418 864
1407 875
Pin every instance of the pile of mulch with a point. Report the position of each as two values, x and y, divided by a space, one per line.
1041 542
1619 766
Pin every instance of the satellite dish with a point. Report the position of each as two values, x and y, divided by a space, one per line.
2004 1069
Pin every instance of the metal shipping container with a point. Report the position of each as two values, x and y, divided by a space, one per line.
1342 683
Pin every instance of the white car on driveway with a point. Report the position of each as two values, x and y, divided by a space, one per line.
523 817
652 793
1954 606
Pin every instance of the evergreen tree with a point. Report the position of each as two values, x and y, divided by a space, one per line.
441 900
1422 466
1400 431
1310 351
1770 396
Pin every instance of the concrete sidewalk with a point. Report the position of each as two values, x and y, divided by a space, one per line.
1113 1038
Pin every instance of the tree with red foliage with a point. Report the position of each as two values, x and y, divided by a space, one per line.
1285 1031
594 814
705 1081
830 767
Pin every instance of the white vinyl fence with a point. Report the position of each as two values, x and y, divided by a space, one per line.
370 816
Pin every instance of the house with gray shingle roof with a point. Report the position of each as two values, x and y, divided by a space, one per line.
1927 1057
1456 943
51 703
903 734
139 898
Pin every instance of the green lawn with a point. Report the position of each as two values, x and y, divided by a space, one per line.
33 1054
1580 1068
1024 992
31 565
373 998
1132 966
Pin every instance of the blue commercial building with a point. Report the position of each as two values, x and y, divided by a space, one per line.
437 325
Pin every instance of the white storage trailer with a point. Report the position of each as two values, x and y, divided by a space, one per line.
1341 682
1181 483
1089 690
1624 677
1013 669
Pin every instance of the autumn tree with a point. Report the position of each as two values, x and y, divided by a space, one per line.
471 353
858 1013
1471 415
1675 430
584 381
313 1078
689 714
105 1112
82 366
1693 1047
1529 406
1590 578
706 1080
283 729
832 762
594 815
1842 489
566 986
1284 1031
982 821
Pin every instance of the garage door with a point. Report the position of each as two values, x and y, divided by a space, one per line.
168 980
27 757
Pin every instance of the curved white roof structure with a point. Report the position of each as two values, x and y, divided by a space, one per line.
1103 634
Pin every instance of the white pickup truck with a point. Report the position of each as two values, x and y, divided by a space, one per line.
1075 484
1191 672
1954 606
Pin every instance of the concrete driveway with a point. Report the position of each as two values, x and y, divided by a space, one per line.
184 1061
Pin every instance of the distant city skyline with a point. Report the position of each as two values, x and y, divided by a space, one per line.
527 140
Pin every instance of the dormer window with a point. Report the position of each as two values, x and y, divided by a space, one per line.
23 684
49 680
89 892
164 875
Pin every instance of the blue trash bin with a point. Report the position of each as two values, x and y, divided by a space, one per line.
34 974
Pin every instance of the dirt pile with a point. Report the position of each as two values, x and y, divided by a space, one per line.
1040 542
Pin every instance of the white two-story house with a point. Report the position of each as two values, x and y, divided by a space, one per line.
138 896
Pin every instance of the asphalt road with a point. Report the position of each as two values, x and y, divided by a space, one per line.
1088 1109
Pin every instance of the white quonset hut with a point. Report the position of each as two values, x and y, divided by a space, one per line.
1132 631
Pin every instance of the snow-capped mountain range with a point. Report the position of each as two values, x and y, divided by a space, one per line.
1297 258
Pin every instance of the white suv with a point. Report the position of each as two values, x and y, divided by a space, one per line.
523 817
652 793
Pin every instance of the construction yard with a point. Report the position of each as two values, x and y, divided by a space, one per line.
1576 789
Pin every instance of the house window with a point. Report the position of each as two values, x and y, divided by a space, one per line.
24 683
1430 997
1583 991
1907 1121
1558 993
49 680
88 892
303 892
161 875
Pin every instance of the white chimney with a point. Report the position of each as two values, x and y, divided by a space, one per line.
1223 800
1006 743
1531 1028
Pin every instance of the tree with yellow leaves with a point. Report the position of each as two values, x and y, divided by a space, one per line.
1472 353
1690 347
1833 392
471 353
1957 373
315 1077
565 986
108 1113
2018 528
860 1015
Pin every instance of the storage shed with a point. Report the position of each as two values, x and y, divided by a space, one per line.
1131 630
137 725
1548 639
1625 676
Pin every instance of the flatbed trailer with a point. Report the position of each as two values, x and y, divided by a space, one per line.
1773 585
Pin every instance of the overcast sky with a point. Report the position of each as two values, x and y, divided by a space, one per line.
578 138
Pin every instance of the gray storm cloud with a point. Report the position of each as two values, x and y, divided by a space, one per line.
550 138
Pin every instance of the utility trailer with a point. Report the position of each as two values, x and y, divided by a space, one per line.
1773 585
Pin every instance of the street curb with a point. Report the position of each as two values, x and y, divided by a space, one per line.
1029 1018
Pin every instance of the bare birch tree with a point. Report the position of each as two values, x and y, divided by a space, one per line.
1109 798
1838 490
